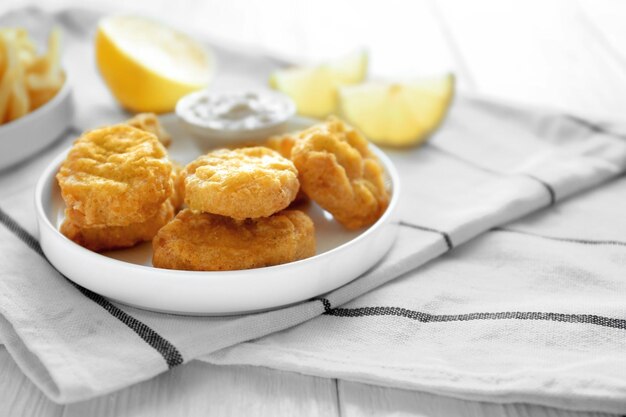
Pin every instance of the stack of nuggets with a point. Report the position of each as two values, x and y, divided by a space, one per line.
235 217
119 188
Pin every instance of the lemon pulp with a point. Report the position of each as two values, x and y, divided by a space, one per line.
149 66
314 89
397 114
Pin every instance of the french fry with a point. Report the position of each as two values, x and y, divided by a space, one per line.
2 59
11 74
19 102
54 52
46 77
27 80
5 93
38 98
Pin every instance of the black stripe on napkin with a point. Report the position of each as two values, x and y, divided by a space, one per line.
20 232
169 352
444 318
549 188
463 160
562 239
444 235
545 185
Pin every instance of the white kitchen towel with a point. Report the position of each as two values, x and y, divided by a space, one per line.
531 311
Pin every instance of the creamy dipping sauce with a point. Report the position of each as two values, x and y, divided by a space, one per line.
237 111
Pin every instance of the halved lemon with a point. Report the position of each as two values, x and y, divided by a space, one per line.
149 66
314 89
397 114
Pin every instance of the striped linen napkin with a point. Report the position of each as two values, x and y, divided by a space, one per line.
532 309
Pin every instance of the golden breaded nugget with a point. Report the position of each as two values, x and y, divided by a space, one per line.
241 183
150 123
117 237
208 242
115 176
339 172
283 144
178 186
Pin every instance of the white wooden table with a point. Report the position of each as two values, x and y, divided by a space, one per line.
565 54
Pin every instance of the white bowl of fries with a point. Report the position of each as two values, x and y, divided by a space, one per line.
36 104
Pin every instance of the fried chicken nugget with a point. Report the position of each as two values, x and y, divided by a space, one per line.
241 183
118 237
340 173
115 176
283 144
208 242
178 186
150 123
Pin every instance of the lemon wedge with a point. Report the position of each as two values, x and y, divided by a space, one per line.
149 66
397 114
314 89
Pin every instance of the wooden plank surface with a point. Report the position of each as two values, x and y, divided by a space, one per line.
195 389
538 52
199 389
368 400
605 18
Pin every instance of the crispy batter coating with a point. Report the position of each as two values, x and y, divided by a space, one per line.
208 242
117 237
340 173
178 186
115 176
241 183
283 144
149 122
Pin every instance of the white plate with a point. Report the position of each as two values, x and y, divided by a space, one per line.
31 133
128 277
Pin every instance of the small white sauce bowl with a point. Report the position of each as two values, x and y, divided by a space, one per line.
34 131
210 137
